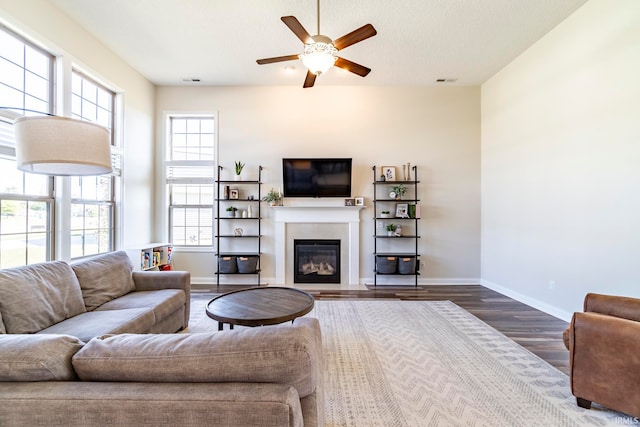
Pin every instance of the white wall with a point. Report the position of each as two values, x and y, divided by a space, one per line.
435 128
560 163
44 24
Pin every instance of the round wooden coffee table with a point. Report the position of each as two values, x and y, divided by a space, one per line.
259 306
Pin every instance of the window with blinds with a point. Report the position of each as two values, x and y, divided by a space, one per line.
189 172
26 200
92 197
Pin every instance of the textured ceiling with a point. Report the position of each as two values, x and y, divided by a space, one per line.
218 41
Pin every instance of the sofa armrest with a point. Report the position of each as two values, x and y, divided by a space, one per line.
155 280
286 354
613 305
605 360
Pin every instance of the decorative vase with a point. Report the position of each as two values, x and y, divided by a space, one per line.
249 212
237 177
390 233
385 215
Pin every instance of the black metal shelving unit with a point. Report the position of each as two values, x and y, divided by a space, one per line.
407 244
225 238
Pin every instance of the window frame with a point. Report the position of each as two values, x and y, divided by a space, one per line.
109 203
7 150
206 176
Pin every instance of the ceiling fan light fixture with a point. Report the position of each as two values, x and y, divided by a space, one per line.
319 57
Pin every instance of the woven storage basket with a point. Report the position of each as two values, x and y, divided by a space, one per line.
407 265
247 264
227 264
386 264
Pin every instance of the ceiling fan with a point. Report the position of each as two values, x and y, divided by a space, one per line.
320 52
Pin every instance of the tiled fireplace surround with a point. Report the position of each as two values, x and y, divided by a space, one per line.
317 222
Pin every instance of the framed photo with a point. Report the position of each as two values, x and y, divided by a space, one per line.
349 202
233 194
359 201
389 173
402 210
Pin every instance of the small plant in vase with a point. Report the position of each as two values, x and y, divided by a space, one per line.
385 214
391 229
273 197
397 191
231 211
239 166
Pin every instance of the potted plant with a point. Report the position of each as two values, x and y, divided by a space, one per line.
399 191
391 229
385 214
238 167
231 211
273 197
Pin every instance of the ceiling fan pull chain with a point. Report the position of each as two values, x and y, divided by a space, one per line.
318 16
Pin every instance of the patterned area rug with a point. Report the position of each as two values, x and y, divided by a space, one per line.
419 363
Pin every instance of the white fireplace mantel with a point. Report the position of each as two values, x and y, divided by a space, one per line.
349 215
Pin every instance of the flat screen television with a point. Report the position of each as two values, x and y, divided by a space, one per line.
316 177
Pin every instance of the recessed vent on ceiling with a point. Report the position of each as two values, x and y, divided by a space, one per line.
191 79
446 80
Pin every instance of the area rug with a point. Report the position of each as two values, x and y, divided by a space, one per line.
424 363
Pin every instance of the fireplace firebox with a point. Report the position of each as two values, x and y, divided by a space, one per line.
316 261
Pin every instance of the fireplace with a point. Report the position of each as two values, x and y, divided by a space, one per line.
316 261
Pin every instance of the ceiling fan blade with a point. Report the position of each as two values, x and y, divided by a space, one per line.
309 80
297 28
277 59
355 36
358 69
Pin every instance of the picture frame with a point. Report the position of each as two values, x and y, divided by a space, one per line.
359 201
349 202
233 194
402 210
389 173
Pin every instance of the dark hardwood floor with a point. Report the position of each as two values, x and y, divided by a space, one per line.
533 329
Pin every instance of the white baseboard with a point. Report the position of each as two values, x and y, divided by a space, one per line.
525 299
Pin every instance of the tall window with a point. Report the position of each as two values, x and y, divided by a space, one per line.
92 197
190 177
26 200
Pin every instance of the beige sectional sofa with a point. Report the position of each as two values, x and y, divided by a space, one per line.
92 297
81 353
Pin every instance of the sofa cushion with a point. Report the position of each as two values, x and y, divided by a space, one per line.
163 302
37 357
284 355
36 296
104 277
95 323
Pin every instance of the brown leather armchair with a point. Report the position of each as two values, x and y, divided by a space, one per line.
604 353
